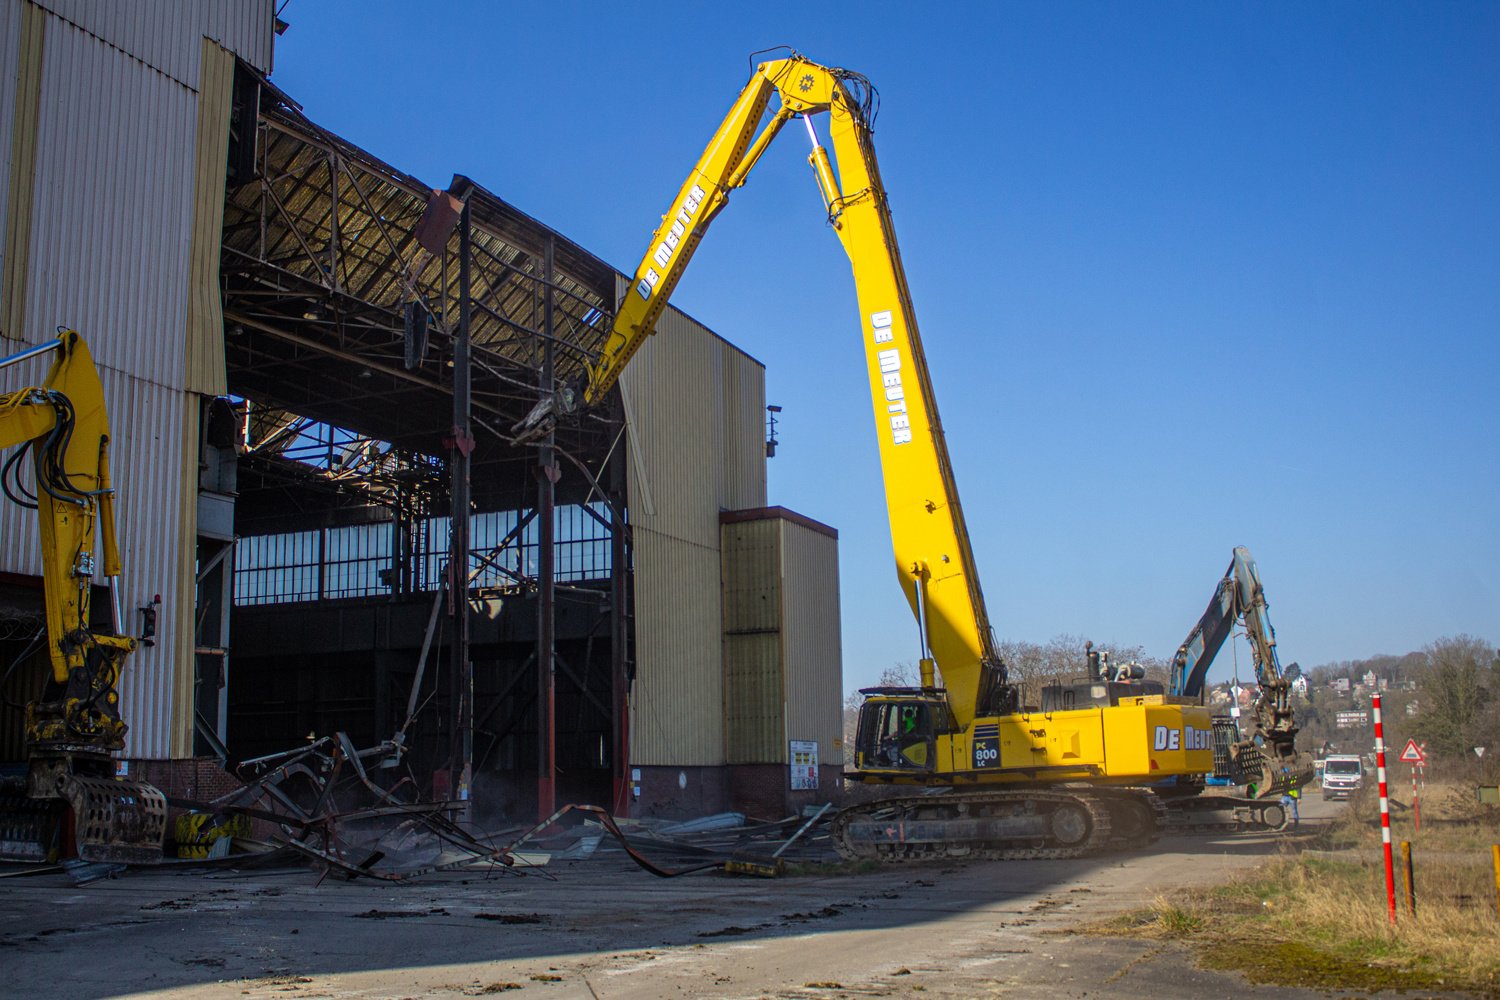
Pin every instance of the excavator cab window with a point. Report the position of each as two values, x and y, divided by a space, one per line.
897 735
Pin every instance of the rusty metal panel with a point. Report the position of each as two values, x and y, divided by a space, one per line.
752 576
811 644
112 206
166 34
754 699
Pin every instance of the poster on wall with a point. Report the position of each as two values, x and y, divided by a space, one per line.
804 755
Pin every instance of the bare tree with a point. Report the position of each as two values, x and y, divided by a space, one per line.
903 674
1456 690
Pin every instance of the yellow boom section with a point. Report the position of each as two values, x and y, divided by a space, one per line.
934 561
64 422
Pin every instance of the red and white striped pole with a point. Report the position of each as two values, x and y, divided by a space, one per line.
1416 803
1385 813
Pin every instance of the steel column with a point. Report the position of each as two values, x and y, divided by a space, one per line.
619 633
458 550
546 637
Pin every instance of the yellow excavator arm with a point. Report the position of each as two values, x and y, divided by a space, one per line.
63 424
75 726
934 560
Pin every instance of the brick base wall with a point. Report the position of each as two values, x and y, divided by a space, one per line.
198 778
681 792
764 790
761 791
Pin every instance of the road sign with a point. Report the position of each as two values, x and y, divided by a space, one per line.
1413 754
1479 751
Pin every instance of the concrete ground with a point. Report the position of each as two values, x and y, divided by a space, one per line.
604 930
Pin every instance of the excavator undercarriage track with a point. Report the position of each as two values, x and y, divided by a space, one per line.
1223 814
1034 824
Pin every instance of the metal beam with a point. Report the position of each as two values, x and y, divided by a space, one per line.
546 572
458 553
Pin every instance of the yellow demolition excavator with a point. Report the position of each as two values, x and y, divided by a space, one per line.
74 728
1058 777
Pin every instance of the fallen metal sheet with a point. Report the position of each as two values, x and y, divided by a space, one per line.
609 824
703 824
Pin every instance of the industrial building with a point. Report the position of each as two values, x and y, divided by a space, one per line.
312 359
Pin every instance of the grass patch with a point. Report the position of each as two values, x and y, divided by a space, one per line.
1451 820
1312 922
1321 922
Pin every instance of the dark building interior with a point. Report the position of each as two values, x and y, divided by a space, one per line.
385 344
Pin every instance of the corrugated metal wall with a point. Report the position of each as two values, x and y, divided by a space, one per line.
754 691
688 396
127 158
166 34
112 206
813 666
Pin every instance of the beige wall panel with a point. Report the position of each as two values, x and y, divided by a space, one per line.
22 34
810 638
677 701
679 686
205 371
165 34
743 402
10 70
679 481
112 209
754 707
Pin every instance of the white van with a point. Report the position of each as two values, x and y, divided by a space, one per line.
1343 774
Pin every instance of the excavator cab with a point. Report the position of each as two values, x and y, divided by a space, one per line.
898 729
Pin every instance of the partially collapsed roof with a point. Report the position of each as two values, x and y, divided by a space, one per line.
320 261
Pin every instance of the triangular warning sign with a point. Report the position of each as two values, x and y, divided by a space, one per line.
1413 754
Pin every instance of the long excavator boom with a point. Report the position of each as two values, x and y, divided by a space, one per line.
1058 777
934 559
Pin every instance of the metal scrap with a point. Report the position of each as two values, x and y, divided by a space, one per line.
329 809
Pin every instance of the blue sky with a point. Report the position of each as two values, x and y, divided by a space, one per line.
1189 277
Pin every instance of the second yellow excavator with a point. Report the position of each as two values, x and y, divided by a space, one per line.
74 728
1058 776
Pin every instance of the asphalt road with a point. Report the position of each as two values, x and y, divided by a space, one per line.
603 930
